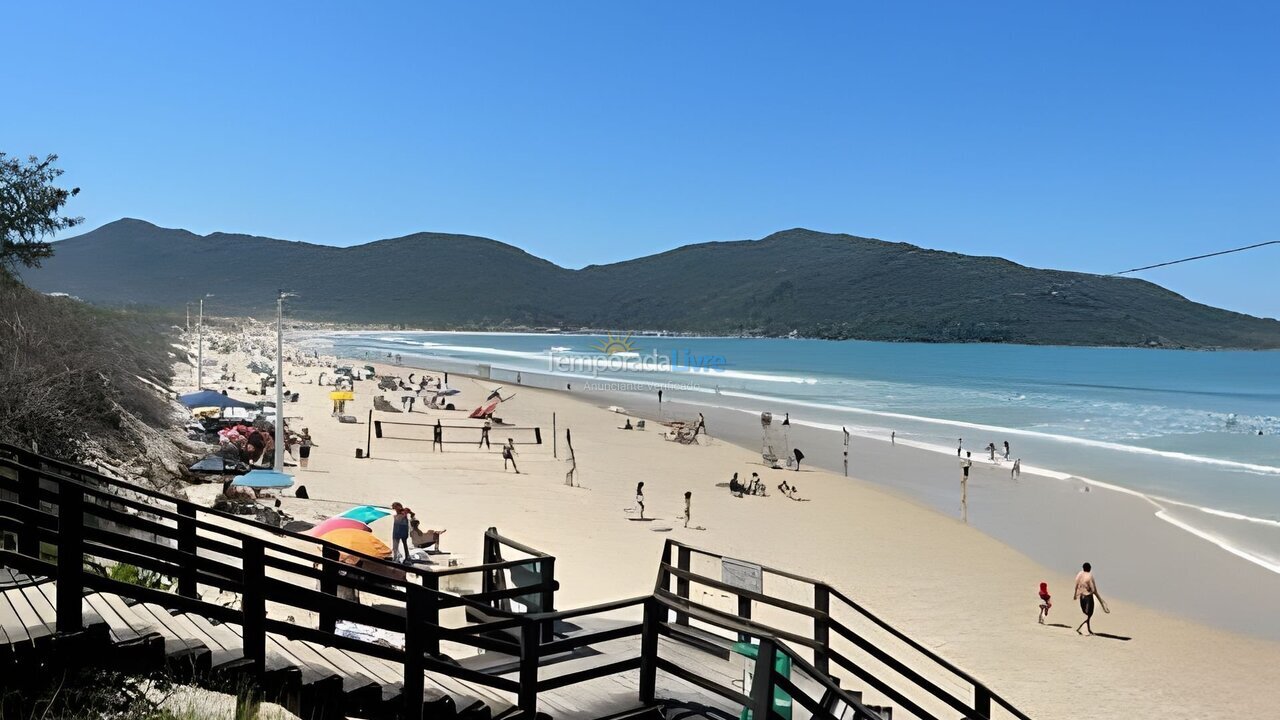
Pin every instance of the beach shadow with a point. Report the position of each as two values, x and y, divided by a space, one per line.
1109 636
1057 625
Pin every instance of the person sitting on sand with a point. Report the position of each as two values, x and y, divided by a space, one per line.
509 455
423 539
1045 602
784 488
757 485
627 425
736 487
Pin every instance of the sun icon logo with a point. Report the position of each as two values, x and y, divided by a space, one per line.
614 344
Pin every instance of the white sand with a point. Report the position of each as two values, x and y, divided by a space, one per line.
958 591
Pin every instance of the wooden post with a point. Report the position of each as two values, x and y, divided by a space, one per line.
649 652
529 652
187 575
329 586
822 627
683 556
368 440
414 650
430 612
253 604
555 444
547 598
744 612
70 594
29 496
762 682
982 701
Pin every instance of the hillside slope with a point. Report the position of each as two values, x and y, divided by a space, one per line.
816 284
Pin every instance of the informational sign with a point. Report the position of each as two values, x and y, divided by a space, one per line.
742 575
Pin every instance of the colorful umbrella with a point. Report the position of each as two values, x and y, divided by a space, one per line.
358 541
366 513
337 523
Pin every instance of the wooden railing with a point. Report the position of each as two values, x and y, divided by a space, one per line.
54 515
910 676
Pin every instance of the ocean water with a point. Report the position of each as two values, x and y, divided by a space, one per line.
1179 427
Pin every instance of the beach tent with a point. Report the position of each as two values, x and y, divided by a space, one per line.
358 541
264 480
366 513
337 523
211 398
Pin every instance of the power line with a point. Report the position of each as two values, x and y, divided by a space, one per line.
1200 257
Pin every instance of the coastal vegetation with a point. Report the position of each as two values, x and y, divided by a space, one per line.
795 282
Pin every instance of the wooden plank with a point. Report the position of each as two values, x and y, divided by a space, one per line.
15 632
28 619
351 680
141 619
220 656
121 632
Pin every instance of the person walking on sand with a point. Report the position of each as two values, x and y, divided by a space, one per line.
1086 589
965 464
484 435
1045 602
701 427
1016 472
688 507
640 498
786 419
845 430
1006 449
509 455
893 437
659 396
959 446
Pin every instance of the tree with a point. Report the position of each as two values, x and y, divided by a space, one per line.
29 210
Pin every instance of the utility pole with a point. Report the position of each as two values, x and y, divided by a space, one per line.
278 462
200 341
200 352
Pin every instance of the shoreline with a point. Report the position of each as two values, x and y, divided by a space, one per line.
1127 526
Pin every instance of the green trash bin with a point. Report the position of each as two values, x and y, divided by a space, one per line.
781 666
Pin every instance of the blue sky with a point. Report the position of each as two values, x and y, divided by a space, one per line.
1091 136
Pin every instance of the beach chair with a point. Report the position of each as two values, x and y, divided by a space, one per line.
639 424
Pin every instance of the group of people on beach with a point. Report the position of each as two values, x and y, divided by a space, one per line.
1086 589
406 532
688 506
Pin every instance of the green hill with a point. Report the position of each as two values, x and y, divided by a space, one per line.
814 284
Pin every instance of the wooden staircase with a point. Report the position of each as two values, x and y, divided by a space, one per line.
664 654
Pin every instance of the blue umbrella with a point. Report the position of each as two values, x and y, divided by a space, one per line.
264 480
209 398
366 513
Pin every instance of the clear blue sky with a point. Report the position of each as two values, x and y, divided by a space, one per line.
1092 136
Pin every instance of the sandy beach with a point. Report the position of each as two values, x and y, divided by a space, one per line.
957 589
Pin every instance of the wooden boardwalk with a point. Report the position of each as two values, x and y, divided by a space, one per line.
149 636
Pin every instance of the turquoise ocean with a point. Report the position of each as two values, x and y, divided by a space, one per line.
1179 427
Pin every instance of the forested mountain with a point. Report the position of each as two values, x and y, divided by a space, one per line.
815 284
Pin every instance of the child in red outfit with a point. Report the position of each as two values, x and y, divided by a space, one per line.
1044 602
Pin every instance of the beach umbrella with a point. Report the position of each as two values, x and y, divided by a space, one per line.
209 398
264 480
337 523
366 513
358 541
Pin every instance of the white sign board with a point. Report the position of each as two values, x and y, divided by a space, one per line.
742 575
